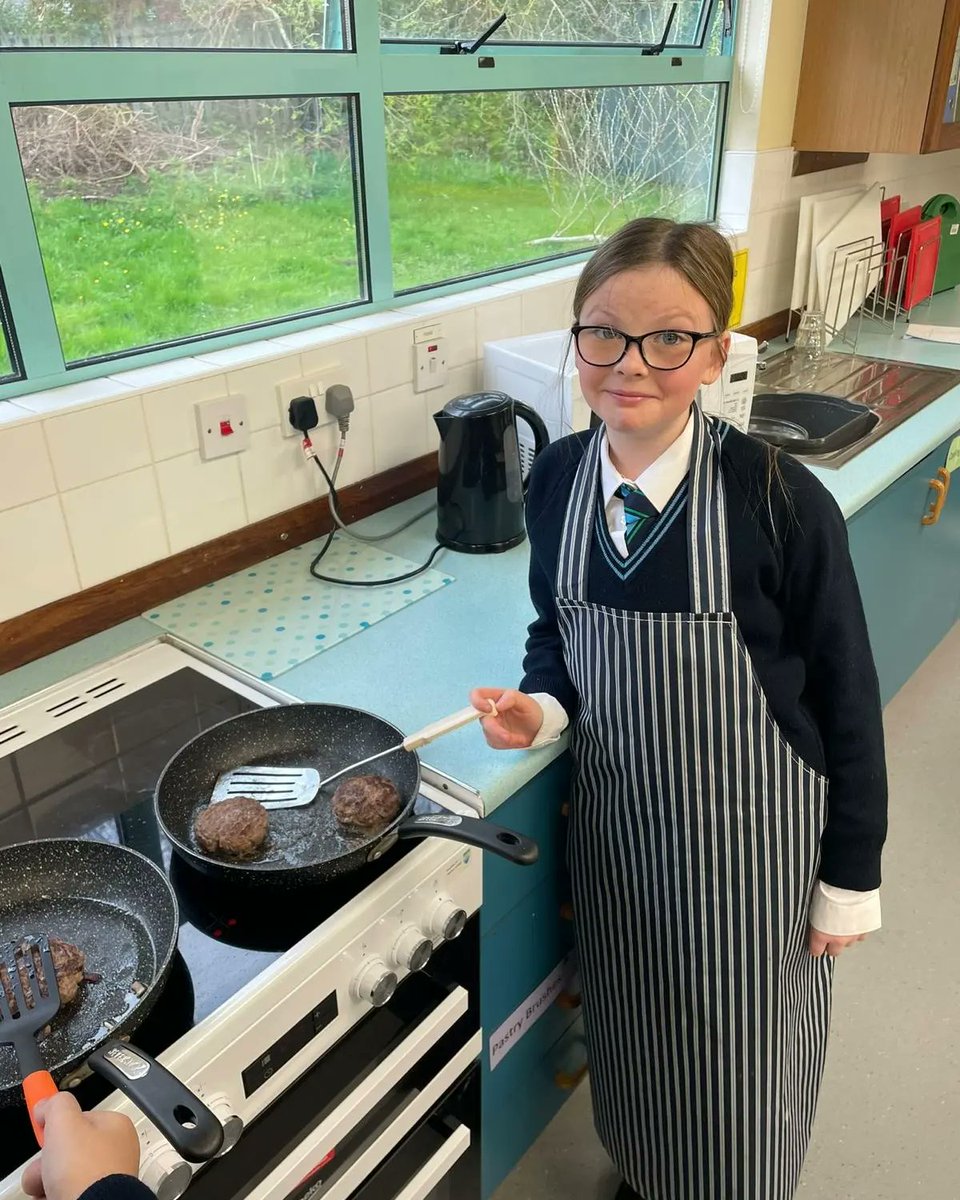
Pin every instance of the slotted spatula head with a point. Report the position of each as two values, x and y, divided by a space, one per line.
273 787
29 1000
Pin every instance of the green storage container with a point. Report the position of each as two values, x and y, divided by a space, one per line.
947 208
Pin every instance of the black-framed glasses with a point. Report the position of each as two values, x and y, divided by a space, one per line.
661 349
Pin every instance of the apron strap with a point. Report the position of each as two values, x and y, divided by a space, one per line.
708 548
577 535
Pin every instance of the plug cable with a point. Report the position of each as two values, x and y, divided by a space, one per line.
334 503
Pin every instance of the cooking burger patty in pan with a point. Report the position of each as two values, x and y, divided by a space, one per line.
69 962
366 803
234 828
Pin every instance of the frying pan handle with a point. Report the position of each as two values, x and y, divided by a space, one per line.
473 832
183 1119
37 1086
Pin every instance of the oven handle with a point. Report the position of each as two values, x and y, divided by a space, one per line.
408 1120
284 1178
436 1170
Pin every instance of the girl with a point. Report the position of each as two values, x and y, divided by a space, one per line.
699 622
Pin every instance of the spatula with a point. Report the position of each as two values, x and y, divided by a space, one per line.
20 1022
294 787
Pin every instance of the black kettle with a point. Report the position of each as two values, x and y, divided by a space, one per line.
481 487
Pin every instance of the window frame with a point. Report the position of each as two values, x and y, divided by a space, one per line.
367 73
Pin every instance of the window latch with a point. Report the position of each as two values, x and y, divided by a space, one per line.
727 17
661 45
473 47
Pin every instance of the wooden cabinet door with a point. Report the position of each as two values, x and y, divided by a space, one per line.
942 129
909 573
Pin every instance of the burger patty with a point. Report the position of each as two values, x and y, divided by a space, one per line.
234 828
69 962
366 803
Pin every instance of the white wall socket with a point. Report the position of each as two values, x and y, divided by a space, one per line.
429 364
314 385
222 426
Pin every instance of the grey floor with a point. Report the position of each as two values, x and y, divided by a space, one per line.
888 1124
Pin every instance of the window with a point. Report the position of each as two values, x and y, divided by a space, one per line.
165 221
184 173
177 24
538 21
521 176
8 364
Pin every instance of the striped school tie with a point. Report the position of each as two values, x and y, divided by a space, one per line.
639 514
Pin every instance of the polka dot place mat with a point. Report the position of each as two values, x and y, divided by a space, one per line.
276 615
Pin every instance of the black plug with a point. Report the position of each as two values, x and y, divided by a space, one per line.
302 414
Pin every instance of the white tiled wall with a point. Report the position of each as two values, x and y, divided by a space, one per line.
774 208
105 476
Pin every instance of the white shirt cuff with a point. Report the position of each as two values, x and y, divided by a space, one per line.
844 913
555 720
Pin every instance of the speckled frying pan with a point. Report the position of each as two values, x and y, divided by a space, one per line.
120 909
307 845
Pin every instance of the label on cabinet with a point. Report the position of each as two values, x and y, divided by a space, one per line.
525 1015
953 456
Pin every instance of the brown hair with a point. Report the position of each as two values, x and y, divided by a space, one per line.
699 253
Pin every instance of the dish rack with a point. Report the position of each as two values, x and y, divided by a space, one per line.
870 279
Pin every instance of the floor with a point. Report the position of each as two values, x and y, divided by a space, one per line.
888 1125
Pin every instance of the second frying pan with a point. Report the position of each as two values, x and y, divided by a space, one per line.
307 845
119 908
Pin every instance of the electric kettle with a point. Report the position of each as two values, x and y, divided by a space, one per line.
481 487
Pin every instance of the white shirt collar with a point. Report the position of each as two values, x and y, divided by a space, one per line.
660 480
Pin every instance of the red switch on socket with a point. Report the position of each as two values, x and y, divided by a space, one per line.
225 428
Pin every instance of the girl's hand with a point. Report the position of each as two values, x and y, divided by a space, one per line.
518 718
79 1149
831 943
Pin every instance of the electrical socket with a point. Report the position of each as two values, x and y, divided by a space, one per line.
314 385
222 426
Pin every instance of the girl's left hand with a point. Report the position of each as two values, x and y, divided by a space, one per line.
831 943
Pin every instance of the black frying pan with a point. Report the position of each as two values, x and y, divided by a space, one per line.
119 908
306 845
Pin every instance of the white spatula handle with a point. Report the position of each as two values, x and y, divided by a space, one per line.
437 729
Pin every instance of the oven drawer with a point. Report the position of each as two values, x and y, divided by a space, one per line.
440 1159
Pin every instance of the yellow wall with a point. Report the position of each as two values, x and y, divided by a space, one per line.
781 73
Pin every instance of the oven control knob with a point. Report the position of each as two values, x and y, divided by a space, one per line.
165 1173
446 921
412 950
222 1109
375 982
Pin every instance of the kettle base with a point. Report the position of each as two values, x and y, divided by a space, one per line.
482 547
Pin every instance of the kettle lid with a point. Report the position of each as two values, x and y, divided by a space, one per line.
477 404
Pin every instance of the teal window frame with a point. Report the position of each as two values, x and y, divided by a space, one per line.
370 71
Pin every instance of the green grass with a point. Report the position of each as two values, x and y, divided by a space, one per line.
205 251
6 367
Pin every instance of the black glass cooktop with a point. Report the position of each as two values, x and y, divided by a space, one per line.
95 779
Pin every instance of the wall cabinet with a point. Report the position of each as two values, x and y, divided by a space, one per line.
879 76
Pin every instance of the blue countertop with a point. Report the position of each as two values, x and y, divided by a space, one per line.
420 663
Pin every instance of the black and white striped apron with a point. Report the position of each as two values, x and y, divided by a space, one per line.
694 846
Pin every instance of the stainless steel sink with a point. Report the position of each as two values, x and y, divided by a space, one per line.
892 391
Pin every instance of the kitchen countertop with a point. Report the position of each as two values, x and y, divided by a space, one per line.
876 467
420 663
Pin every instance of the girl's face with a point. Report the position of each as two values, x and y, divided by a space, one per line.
630 397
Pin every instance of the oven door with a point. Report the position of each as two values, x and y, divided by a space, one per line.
390 1106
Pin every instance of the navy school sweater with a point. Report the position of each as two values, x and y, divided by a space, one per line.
796 601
